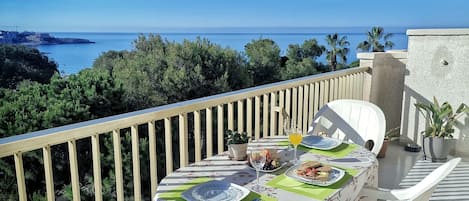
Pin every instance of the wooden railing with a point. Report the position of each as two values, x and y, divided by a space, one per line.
255 113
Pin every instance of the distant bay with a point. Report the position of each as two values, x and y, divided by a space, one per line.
74 57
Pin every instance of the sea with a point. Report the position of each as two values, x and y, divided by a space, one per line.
71 58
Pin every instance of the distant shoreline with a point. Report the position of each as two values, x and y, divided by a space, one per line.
36 38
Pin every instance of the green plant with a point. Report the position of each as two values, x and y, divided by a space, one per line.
234 137
440 118
392 134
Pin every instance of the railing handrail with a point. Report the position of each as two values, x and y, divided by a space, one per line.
57 135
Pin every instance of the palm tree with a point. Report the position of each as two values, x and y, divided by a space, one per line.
338 46
373 41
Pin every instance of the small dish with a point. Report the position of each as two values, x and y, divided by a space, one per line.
319 142
270 171
215 190
335 176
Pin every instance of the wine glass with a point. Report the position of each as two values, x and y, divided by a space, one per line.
257 160
295 137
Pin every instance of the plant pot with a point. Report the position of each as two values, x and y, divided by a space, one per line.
384 147
437 148
238 151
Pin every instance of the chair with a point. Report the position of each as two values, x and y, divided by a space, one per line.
357 121
422 191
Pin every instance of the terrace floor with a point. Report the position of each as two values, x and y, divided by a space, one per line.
402 169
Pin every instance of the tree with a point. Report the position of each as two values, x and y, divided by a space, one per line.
18 63
338 46
374 39
302 59
263 61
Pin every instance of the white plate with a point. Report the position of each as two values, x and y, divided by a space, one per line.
269 171
335 175
215 190
322 143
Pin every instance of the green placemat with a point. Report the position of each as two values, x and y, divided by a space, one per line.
176 194
317 192
343 150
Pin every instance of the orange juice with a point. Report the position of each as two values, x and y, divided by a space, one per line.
295 138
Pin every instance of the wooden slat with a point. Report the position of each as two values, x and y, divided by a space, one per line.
240 116
209 133
98 192
361 85
153 157
168 145
75 181
321 93
326 92
316 97
293 115
183 141
349 86
300 108
249 117
265 115
331 90
311 104
20 176
354 86
305 109
230 116
136 163
116 139
273 116
336 88
257 118
49 175
288 105
281 118
198 149
220 128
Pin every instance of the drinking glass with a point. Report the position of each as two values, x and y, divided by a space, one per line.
257 160
295 137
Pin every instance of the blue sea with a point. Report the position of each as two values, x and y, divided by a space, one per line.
72 58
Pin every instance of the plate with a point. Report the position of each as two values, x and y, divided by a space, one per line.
215 190
318 142
269 171
335 176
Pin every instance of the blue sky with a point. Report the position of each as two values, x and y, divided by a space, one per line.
146 15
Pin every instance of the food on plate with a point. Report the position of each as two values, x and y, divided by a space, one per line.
314 170
272 159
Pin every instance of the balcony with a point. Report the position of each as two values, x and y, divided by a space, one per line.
156 141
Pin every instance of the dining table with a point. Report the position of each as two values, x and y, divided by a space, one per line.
359 164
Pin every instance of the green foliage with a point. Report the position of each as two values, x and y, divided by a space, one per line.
158 72
235 137
18 63
374 39
302 60
337 47
264 61
440 118
355 63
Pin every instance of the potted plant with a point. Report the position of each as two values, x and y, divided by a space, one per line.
237 144
388 136
438 135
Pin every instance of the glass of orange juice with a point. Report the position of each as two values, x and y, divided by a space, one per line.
295 137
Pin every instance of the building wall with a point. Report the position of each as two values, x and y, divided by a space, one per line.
438 65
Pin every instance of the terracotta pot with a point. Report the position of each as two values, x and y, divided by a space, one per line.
384 147
238 151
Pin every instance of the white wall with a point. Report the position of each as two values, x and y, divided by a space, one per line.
427 76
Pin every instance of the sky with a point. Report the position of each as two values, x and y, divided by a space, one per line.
148 15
